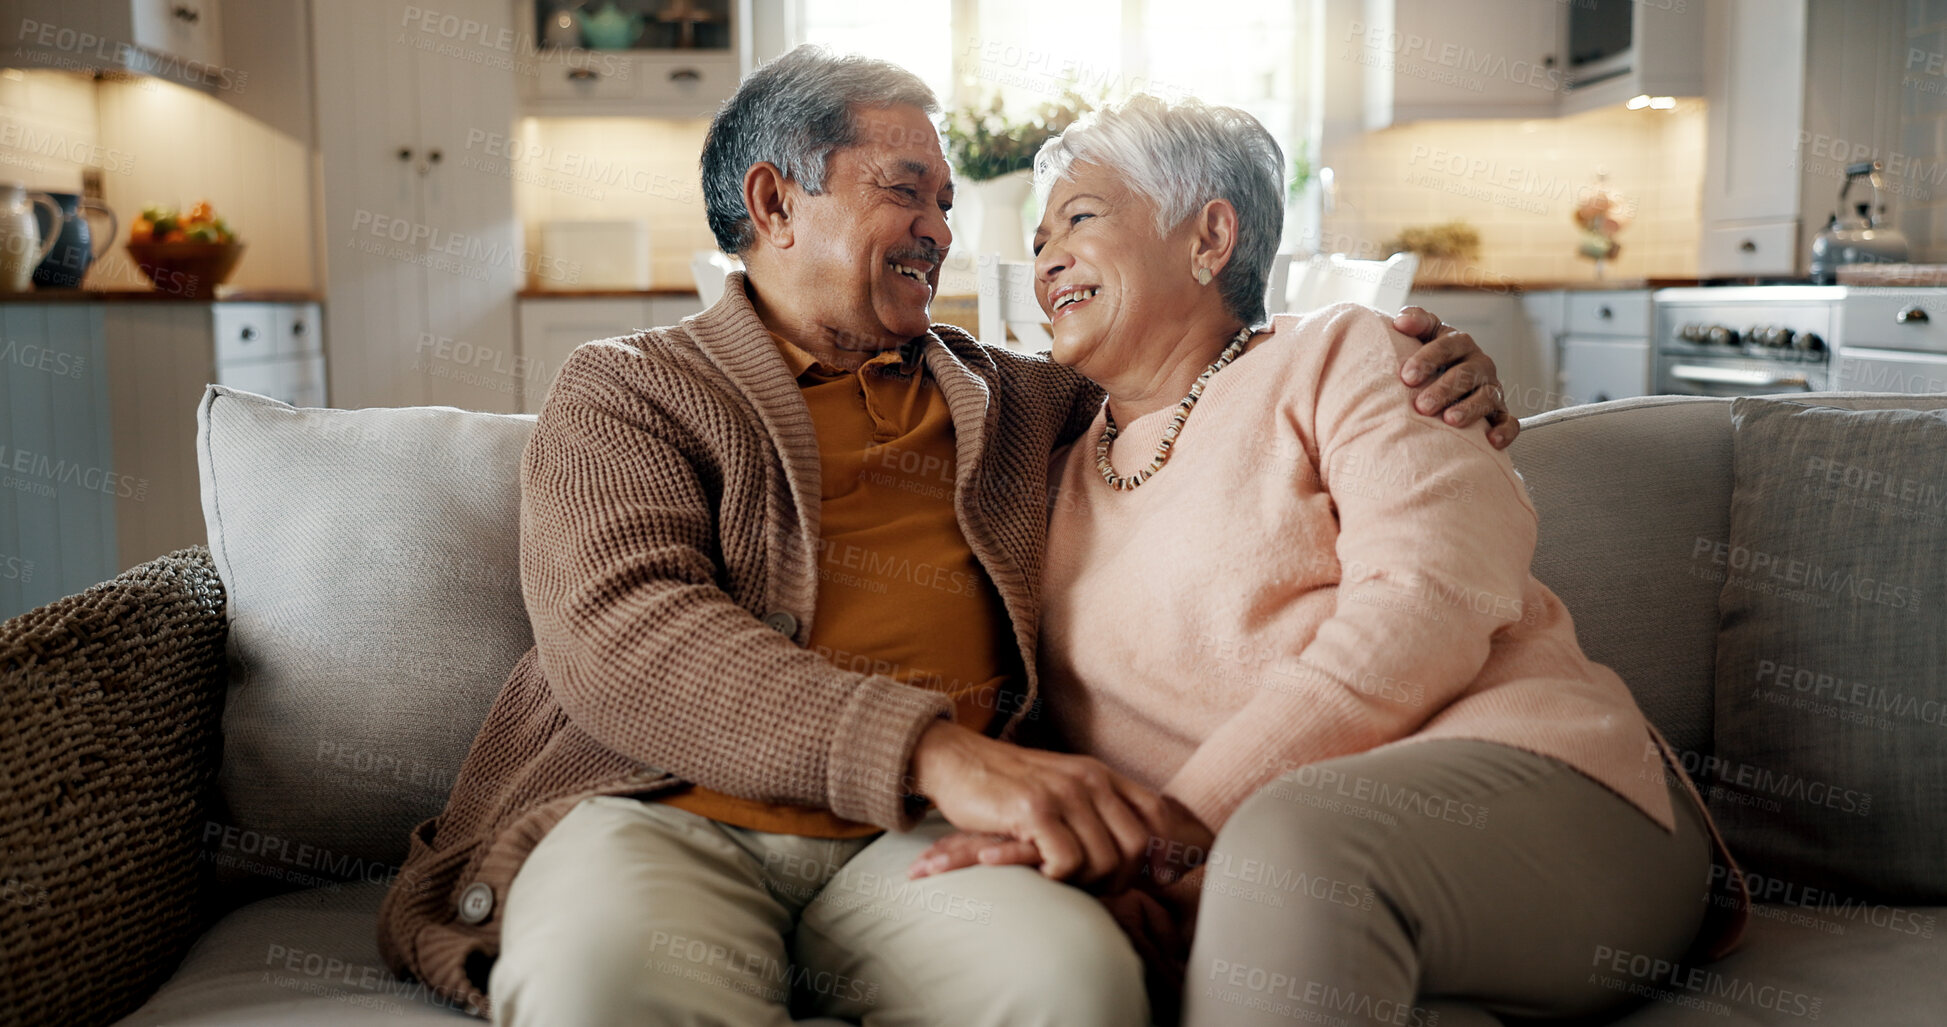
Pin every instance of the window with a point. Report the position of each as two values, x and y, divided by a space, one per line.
1243 53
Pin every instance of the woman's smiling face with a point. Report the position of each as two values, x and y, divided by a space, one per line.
1105 278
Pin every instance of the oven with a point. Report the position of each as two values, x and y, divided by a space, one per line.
1746 340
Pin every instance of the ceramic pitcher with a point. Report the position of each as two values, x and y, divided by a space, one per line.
74 249
21 245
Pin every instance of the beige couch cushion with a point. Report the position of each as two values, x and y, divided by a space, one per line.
371 562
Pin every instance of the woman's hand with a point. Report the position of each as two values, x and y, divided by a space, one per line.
1452 374
1087 823
1177 847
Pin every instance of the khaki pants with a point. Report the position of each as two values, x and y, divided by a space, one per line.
1345 891
632 912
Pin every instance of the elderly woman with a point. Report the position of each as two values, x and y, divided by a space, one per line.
1306 615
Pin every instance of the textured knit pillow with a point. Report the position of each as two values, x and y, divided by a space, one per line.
371 562
1831 719
109 701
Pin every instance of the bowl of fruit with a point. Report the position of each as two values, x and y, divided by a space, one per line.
184 254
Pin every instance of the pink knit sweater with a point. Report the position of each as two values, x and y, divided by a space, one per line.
1318 571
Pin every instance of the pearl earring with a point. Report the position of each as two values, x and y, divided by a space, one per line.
1203 276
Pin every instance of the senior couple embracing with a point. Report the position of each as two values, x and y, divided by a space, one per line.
886 677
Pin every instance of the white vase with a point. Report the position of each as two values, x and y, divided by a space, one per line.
21 246
992 214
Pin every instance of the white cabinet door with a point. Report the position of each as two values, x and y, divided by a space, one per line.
1755 86
188 29
424 252
1439 59
1595 369
552 328
1544 314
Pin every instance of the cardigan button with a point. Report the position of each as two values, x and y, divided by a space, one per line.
782 622
476 902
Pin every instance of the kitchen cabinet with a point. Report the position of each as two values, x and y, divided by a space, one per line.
552 327
1774 161
656 81
180 40
1436 59
1605 348
1893 340
422 248
1544 319
1500 325
98 462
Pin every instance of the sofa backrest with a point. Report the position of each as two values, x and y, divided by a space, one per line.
1625 489
371 563
1630 492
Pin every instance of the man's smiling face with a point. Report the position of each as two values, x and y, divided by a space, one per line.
872 243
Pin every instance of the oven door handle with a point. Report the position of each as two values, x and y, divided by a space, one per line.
1736 376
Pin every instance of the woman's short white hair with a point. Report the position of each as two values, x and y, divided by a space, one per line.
1183 155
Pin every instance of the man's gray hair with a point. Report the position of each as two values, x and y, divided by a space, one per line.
1183 155
794 112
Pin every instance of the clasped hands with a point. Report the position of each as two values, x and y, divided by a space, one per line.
1075 820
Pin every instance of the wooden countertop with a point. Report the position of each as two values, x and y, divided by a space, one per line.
604 294
152 296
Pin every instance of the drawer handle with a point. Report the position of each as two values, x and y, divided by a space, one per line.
186 14
1604 313
248 333
1747 246
1736 376
297 328
583 74
1912 315
686 75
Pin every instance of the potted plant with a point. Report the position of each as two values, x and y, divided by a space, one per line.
993 157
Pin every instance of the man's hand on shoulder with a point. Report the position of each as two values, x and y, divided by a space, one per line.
1453 379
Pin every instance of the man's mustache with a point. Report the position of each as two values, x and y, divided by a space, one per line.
933 255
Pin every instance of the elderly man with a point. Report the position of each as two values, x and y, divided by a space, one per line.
782 562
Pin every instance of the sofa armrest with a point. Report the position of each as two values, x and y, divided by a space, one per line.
112 701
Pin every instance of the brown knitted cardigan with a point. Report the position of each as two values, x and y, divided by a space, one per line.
668 532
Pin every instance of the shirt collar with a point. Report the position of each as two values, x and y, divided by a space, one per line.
904 359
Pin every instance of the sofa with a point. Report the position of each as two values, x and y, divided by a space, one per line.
213 761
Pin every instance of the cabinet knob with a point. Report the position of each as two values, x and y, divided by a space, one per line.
1605 313
432 156
1747 246
583 74
1913 314
186 15
248 333
297 328
405 153
686 75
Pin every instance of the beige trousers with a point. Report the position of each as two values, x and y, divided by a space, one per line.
632 912
1422 883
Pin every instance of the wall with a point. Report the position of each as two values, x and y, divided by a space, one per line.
616 169
1917 175
156 142
1517 182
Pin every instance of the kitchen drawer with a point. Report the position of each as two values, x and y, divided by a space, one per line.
298 381
1900 319
1879 370
1595 370
597 76
178 28
295 329
1751 249
245 332
685 83
1625 314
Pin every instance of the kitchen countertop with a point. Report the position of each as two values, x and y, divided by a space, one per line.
1543 285
153 296
603 294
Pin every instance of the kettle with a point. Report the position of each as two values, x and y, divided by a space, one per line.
1861 240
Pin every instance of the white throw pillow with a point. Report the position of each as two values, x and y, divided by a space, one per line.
371 561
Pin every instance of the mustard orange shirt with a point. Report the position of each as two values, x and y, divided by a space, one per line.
899 591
